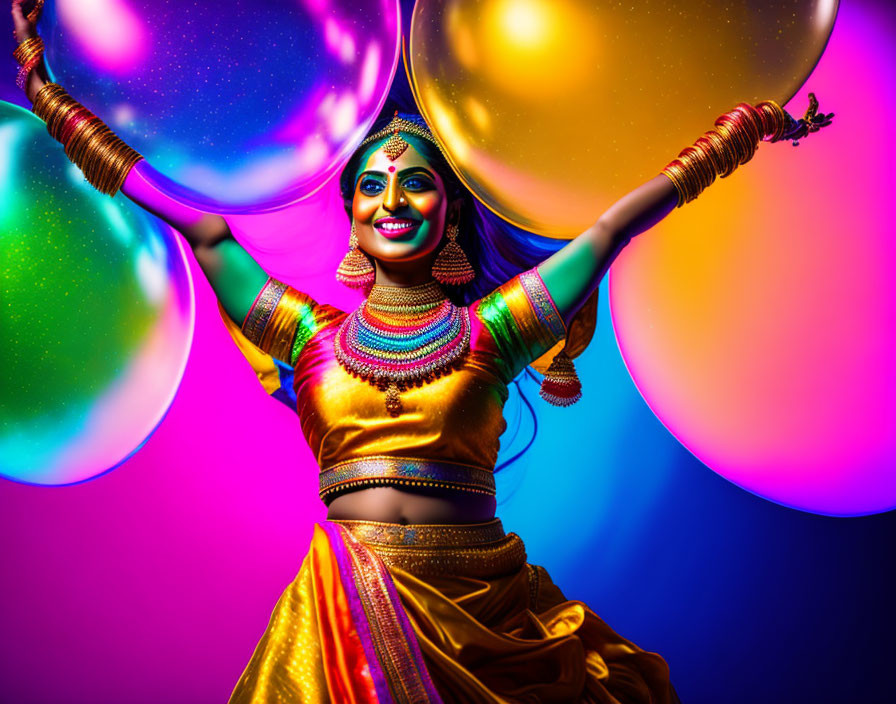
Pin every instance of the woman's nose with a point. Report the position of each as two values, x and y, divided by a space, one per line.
393 198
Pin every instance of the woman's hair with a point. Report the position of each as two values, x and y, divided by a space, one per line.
497 250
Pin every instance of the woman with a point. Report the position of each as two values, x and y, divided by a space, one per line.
411 590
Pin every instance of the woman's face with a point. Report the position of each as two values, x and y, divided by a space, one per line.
399 207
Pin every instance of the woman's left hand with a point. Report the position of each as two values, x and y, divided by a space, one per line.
812 121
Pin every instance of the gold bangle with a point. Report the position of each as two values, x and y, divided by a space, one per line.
732 138
695 164
733 141
705 165
727 160
751 123
713 146
776 120
104 159
735 138
672 173
28 49
48 93
59 114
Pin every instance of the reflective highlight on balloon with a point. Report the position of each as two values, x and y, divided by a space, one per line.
97 315
552 109
758 321
241 105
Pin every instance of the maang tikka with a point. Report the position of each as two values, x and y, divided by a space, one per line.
452 266
355 269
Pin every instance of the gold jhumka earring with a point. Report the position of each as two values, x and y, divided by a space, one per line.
561 385
452 266
355 269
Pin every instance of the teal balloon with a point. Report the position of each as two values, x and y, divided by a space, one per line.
96 315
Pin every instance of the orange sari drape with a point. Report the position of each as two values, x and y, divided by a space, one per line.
386 613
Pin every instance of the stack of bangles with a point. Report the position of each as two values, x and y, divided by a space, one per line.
28 54
731 143
103 158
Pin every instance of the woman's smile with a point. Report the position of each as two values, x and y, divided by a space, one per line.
395 228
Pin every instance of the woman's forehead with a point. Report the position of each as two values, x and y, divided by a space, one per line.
379 161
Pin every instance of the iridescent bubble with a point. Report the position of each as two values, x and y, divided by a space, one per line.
758 322
242 105
96 319
552 109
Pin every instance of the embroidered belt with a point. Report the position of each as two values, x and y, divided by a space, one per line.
471 550
399 471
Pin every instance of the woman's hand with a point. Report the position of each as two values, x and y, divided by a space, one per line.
25 26
812 121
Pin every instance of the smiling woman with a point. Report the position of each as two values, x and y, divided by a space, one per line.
401 401
411 590
400 211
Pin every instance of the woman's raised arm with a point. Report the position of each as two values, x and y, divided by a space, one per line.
234 275
572 273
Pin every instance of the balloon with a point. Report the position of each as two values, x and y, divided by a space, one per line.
97 315
244 105
758 322
552 109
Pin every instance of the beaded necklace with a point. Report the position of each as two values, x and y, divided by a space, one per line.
403 337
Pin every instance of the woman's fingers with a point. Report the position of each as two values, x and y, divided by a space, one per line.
34 15
22 27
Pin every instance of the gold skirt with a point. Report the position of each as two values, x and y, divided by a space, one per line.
383 613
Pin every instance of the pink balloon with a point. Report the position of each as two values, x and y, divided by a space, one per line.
759 323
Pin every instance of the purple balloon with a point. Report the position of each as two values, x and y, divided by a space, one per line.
241 106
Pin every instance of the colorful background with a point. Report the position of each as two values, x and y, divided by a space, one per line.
154 582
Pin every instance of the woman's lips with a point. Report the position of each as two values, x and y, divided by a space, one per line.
393 228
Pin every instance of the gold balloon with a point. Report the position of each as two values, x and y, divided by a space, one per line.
552 109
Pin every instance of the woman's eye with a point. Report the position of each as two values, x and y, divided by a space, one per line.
369 187
416 183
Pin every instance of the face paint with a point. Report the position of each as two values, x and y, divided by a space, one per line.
399 207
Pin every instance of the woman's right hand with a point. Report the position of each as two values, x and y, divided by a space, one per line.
25 27
22 26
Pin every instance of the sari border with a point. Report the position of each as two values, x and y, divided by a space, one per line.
337 545
542 304
397 666
259 315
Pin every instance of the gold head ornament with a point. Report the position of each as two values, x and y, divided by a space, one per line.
396 145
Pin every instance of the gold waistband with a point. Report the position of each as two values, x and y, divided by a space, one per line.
480 550
426 535
402 471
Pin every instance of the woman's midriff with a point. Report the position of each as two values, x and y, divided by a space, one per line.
392 505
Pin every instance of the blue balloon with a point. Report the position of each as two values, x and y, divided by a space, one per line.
243 106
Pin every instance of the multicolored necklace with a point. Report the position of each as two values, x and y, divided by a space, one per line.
403 337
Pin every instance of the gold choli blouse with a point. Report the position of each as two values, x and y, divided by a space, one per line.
447 434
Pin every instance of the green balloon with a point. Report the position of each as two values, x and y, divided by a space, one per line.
90 288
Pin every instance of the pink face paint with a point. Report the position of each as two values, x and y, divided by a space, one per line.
391 169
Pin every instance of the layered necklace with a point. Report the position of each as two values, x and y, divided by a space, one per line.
403 337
